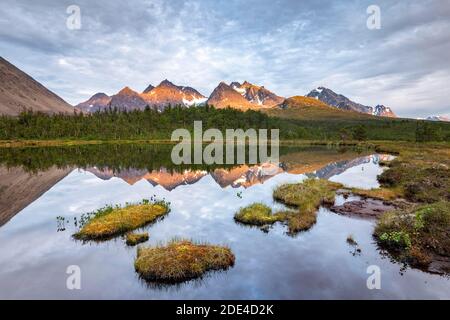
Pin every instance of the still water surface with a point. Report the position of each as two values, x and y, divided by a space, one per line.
317 264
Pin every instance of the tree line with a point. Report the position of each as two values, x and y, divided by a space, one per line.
114 124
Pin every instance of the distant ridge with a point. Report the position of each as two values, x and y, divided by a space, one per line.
438 118
307 108
341 102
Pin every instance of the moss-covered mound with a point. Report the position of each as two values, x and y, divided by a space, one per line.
417 236
110 221
306 197
181 260
133 239
257 214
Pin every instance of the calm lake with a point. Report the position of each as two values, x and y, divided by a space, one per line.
37 185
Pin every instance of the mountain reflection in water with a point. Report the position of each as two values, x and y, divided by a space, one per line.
27 173
240 176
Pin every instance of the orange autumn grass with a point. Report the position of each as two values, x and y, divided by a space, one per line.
181 260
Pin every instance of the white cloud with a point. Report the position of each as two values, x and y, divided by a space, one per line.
288 46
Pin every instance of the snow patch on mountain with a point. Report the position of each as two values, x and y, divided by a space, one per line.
194 101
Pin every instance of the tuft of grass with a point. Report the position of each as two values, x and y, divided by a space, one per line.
257 214
133 239
260 215
181 260
416 235
351 240
110 221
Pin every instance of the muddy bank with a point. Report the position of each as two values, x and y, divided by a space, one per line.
439 265
365 208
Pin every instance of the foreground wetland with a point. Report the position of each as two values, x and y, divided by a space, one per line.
308 227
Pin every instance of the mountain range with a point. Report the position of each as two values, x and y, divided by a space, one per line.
235 95
166 93
19 91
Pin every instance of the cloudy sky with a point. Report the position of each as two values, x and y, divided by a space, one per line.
289 46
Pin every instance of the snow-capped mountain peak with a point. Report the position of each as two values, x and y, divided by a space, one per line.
342 102
438 118
257 95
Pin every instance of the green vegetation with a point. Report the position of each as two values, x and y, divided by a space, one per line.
181 260
360 133
420 173
258 214
418 234
420 181
308 123
306 197
427 132
110 221
133 239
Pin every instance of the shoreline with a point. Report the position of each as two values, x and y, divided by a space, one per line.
68 142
